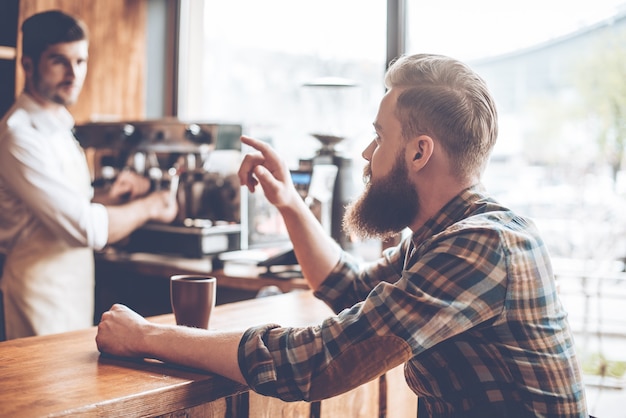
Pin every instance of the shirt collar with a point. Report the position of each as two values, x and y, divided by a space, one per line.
43 119
458 208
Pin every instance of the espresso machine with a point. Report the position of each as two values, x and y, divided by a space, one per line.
330 101
342 185
197 161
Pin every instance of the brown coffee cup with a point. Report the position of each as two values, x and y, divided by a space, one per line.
193 299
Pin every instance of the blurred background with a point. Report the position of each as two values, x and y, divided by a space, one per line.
286 70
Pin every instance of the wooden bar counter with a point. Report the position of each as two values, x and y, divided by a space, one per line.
142 281
64 375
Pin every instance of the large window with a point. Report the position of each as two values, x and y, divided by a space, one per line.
557 69
286 70
558 72
249 61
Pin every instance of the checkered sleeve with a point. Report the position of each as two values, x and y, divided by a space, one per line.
393 323
351 282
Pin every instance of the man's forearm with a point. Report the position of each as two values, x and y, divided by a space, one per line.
124 219
316 251
213 351
123 332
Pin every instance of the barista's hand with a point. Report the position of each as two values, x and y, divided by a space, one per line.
162 206
128 185
120 331
266 168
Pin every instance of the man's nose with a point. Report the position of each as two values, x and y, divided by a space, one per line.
369 150
71 70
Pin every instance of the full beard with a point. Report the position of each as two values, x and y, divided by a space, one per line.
385 208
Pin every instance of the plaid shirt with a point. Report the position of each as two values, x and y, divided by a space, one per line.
468 303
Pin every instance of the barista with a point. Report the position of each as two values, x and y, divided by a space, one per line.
49 225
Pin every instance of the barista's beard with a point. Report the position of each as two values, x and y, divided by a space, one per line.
386 207
49 92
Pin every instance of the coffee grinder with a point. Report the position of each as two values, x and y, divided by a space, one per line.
330 101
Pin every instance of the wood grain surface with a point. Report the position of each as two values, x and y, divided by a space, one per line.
65 375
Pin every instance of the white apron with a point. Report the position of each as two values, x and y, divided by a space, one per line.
49 286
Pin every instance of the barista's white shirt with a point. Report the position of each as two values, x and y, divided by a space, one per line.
48 225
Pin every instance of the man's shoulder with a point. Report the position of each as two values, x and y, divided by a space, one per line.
17 133
17 125
504 228
495 218
16 118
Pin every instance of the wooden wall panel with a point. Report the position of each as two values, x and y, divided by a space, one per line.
114 88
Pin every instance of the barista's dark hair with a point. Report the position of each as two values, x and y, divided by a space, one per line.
41 30
445 99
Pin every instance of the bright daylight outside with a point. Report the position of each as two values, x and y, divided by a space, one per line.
557 69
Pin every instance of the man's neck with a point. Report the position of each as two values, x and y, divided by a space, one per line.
431 201
46 104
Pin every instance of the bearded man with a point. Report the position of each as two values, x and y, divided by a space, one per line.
467 302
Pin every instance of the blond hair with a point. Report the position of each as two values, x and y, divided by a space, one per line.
445 99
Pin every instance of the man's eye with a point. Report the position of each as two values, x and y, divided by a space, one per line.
59 61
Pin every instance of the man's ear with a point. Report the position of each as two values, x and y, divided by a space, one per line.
28 65
420 150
